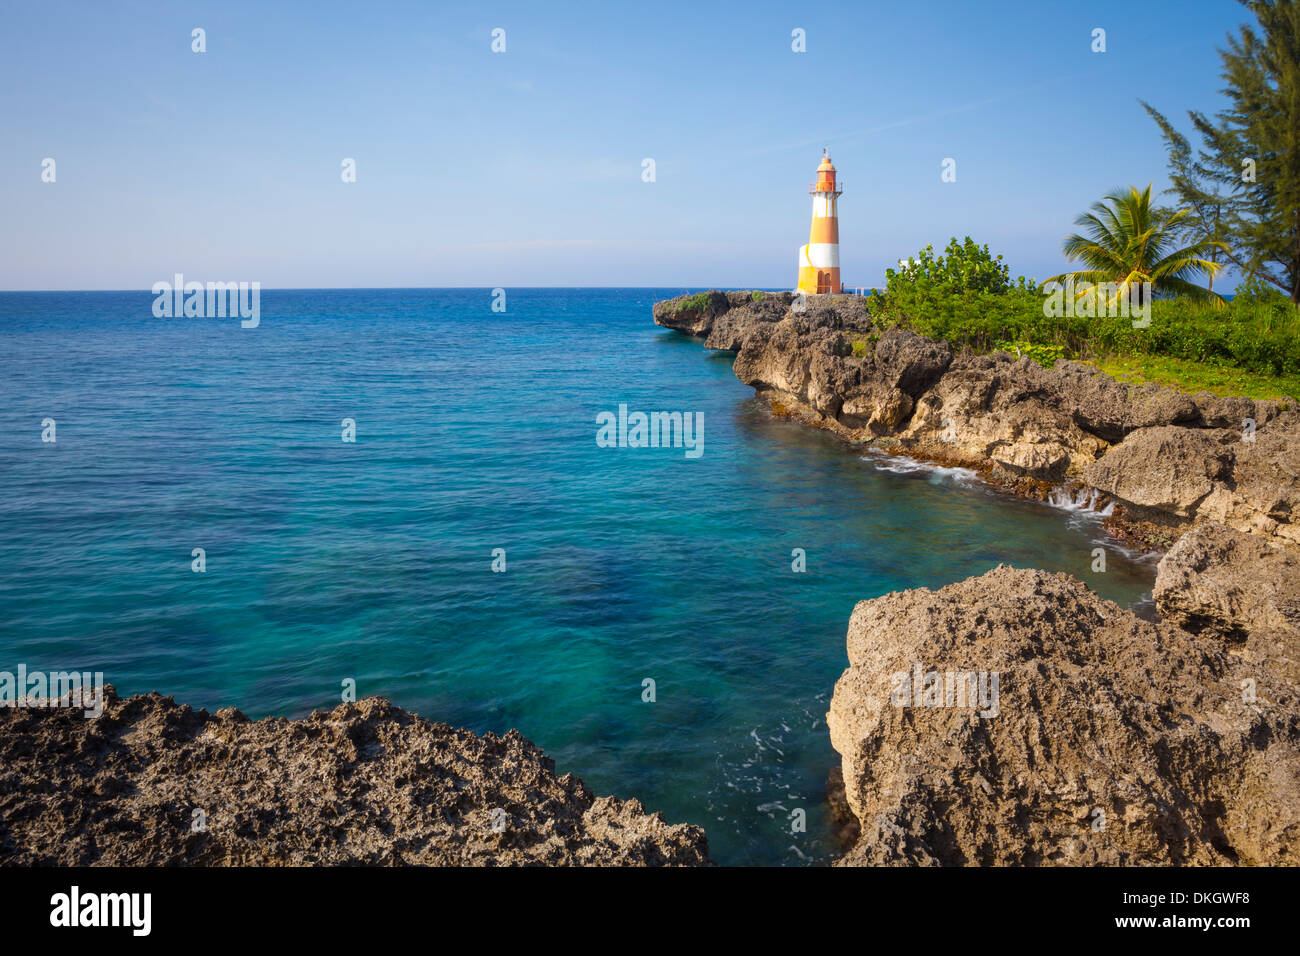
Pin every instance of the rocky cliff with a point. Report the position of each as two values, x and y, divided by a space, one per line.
1168 459
366 783
1111 740
1017 718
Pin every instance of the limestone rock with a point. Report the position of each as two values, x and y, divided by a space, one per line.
364 783
1164 468
1115 742
1169 459
1225 584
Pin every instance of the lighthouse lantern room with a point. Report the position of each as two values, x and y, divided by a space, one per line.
819 260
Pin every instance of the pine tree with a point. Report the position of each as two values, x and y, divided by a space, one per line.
1193 184
1244 183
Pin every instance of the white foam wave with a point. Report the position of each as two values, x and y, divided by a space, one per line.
901 465
1083 501
1082 514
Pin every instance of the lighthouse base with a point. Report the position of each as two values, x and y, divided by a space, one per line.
819 281
819 268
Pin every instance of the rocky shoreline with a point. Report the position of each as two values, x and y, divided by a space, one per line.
1108 740
1165 459
1043 726
154 783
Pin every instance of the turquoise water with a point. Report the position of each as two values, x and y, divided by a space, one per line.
476 430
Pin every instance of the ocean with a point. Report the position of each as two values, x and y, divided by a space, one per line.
327 561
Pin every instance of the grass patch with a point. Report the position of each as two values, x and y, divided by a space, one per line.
1249 346
1192 376
695 303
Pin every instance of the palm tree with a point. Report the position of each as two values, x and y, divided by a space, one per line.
1129 243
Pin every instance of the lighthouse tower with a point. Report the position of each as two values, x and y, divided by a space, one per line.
819 261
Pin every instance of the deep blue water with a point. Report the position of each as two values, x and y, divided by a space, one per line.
475 430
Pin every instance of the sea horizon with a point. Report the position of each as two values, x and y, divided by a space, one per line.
372 560
688 437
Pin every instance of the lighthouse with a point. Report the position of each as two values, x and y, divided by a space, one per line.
819 261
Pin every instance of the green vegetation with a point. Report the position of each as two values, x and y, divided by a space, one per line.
756 296
695 303
1253 339
1239 206
1198 376
963 268
1044 355
1243 184
1127 243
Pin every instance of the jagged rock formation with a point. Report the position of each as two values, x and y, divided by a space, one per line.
366 783
1211 474
1115 741
1167 458
1226 584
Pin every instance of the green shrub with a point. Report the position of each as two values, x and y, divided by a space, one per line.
756 296
967 299
695 303
964 267
1044 355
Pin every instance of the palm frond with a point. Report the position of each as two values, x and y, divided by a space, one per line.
1125 241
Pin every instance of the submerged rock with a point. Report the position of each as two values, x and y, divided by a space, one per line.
1109 740
366 783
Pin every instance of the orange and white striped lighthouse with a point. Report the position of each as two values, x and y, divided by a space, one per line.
819 261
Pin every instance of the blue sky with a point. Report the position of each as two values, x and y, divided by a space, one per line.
523 168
